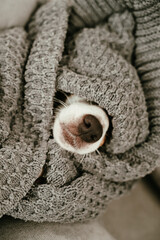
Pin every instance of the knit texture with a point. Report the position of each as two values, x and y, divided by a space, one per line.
106 51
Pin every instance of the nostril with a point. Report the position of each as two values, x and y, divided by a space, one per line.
90 129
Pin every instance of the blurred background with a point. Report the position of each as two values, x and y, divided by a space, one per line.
136 215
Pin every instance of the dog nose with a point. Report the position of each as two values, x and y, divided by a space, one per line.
90 130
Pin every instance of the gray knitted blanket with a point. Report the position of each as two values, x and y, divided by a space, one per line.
106 51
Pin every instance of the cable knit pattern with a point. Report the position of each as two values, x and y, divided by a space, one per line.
115 85
106 46
13 53
23 154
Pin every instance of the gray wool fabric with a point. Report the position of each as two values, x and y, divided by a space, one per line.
105 51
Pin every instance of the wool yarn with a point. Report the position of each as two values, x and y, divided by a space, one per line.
106 51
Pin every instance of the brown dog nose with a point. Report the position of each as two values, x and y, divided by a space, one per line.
90 129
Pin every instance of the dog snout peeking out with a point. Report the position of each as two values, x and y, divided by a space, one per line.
90 129
79 126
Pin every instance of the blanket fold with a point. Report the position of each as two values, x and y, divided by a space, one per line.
105 51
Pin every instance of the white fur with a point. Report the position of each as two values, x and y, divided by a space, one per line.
14 13
76 108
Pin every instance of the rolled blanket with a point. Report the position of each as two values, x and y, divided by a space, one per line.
105 51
